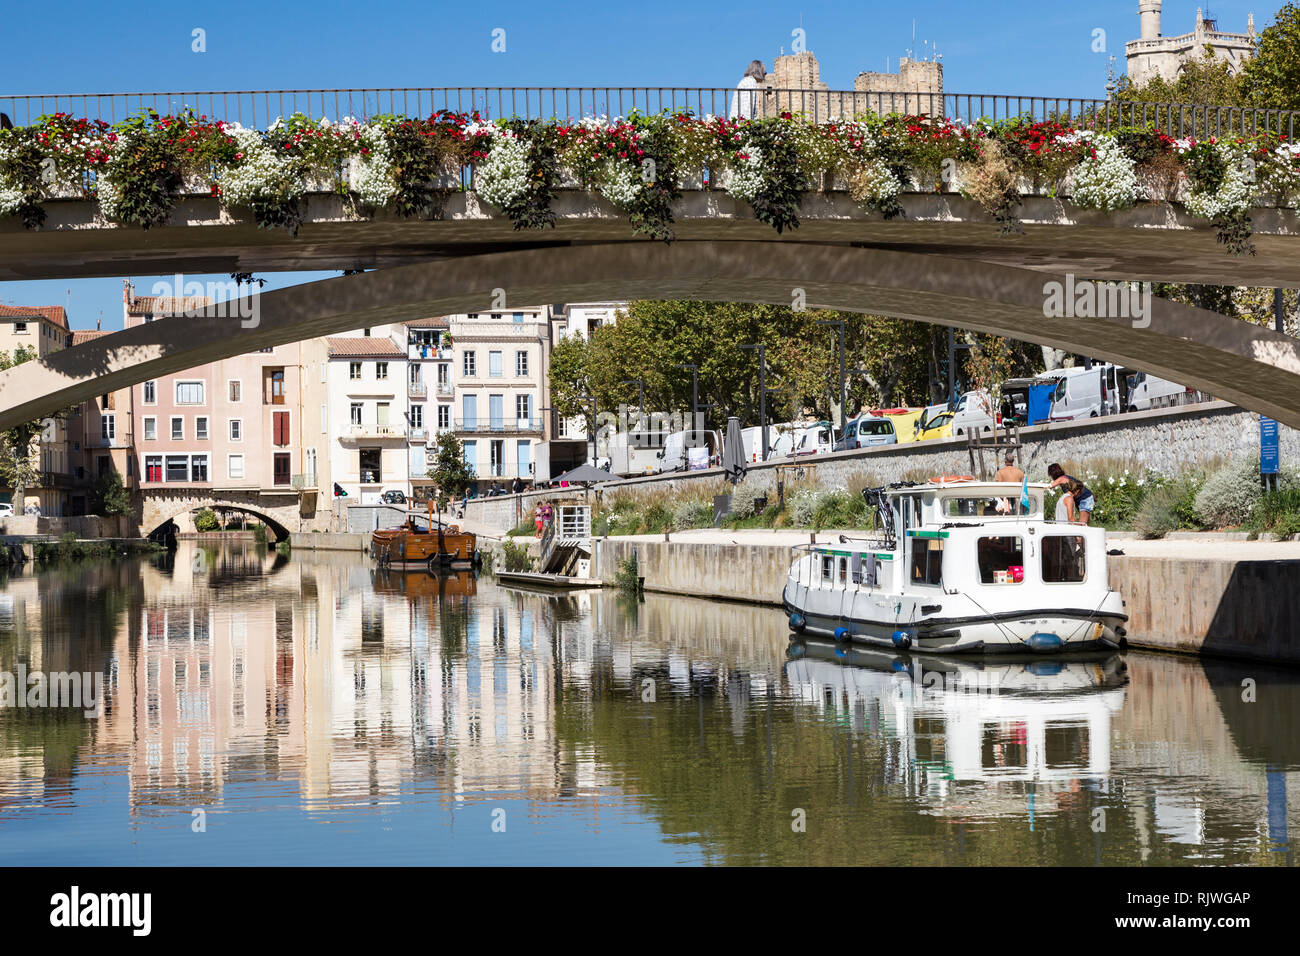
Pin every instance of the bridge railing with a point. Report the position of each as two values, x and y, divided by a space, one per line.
259 108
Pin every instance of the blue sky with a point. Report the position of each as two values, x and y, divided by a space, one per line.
1012 46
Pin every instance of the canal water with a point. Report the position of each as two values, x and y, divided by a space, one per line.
263 709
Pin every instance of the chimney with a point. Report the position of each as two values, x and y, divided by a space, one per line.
1149 18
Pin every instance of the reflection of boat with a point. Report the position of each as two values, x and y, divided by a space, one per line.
959 566
1018 718
432 546
447 583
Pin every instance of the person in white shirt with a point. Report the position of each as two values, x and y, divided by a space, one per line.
744 102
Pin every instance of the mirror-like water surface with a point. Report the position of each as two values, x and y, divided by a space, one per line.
308 710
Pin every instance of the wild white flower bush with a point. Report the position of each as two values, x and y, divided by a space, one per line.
696 513
1279 174
1105 181
743 497
502 178
1229 495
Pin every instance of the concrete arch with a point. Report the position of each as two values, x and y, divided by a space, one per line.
1242 363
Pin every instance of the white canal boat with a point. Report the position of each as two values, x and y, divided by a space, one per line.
959 566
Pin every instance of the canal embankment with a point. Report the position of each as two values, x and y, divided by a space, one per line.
1205 594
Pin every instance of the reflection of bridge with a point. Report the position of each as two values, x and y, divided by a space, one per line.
942 262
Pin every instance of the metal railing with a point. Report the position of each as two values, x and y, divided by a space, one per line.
504 426
258 108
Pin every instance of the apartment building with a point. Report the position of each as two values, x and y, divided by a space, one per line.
570 445
367 386
42 329
100 440
501 365
227 428
431 397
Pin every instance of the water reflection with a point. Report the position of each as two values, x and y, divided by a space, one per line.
319 710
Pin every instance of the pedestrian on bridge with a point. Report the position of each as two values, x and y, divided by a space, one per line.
744 102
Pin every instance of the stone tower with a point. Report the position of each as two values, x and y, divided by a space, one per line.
1149 18
917 87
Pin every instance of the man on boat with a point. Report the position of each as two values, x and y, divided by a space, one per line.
1009 471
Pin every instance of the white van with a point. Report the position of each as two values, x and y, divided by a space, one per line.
1080 393
797 439
1146 392
691 450
974 413
752 439
634 453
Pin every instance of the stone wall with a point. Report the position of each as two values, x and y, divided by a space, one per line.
1168 440
83 526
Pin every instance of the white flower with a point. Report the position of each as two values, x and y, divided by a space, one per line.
747 177
502 178
372 176
618 182
1234 193
1106 181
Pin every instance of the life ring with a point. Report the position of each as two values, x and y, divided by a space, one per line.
950 479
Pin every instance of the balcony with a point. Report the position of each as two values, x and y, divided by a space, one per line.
118 441
445 390
427 353
417 389
305 482
516 426
373 432
417 434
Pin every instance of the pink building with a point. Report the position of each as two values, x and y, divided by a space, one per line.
228 429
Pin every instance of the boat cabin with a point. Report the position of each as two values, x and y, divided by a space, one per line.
960 537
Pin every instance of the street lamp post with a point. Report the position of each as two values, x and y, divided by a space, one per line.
953 346
593 427
762 392
839 324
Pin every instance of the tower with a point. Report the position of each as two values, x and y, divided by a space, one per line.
1149 18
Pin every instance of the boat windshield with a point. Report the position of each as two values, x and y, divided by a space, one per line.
983 507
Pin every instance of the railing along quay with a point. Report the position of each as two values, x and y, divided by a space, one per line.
259 108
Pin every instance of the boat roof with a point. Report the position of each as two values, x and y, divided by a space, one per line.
992 489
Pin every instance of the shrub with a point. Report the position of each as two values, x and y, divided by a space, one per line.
206 520
693 513
628 577
516 557
656 519
1229 495
525 528
1158 514
743 498
1278 513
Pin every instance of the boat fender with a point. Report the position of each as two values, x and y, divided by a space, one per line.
797 623
1043 668
1044 642
902 639
841 652
841 634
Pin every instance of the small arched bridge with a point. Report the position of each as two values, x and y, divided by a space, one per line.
160 506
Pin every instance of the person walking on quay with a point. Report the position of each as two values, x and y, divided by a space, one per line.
744 102
1079 501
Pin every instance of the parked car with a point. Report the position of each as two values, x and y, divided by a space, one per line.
690 450
6 509
393 497
867 431
938 426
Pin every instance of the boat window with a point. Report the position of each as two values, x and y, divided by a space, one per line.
843 573
1004 746
982 507
927 560
828 567
865 570
996 555
1064 559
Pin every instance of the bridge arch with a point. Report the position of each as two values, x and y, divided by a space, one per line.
159 509
1248 365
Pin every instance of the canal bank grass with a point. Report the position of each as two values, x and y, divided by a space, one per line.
752 506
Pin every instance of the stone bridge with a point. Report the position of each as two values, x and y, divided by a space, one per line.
281 513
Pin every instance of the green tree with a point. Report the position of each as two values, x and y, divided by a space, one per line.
108 497
1271 77
20 445
204 520
450 472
